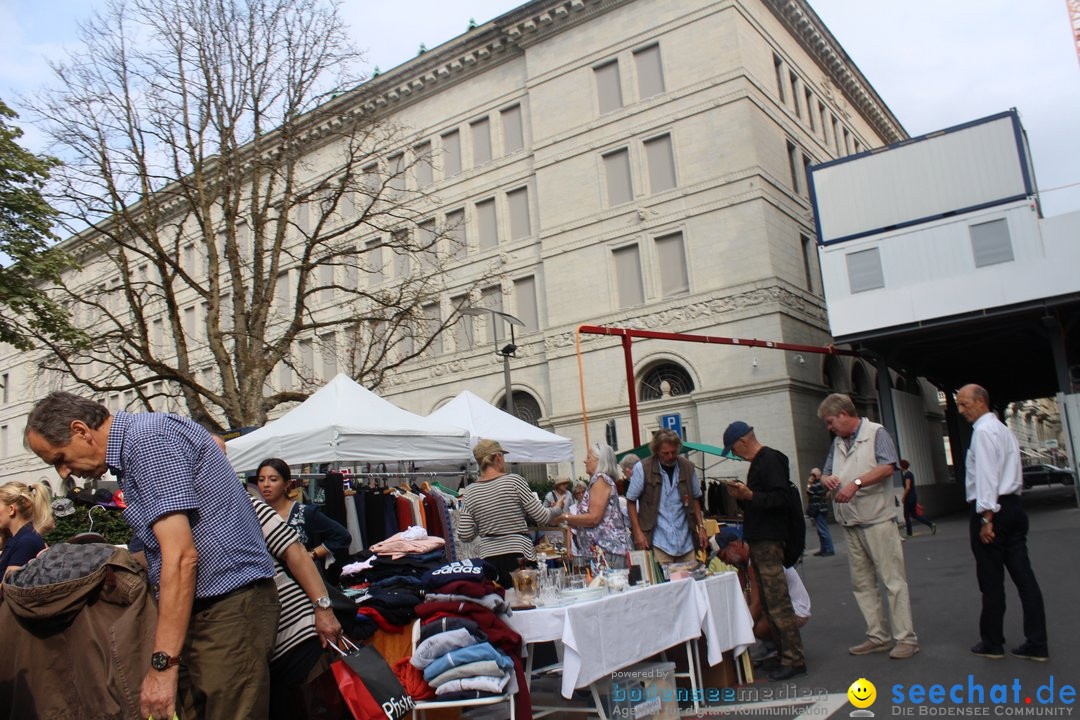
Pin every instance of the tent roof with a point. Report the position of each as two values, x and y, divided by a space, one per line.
344 421
523 441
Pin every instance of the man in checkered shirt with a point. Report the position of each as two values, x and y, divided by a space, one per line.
217 603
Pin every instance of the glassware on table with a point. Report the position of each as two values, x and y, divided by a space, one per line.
617 580
525 585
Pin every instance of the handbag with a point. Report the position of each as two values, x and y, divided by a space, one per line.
368 685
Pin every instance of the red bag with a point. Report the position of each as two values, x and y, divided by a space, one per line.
918 509
367 684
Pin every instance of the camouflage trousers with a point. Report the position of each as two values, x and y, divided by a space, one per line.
768 559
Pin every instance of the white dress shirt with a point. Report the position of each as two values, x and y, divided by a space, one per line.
993 464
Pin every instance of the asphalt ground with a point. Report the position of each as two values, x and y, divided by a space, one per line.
945 604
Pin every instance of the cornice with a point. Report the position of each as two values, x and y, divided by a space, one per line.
806 27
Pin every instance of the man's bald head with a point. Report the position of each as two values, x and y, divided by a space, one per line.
972 401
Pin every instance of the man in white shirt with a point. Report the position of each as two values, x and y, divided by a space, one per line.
999 526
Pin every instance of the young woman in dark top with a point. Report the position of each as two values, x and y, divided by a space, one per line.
319 534
25 515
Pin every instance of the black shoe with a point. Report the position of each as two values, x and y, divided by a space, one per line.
994 652
769 663
1030 652
828 554
818 554
787 672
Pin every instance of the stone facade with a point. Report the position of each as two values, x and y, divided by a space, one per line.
646 165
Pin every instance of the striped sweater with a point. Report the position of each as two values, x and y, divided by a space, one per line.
497 512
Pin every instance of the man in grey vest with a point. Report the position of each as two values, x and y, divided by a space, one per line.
859 469
663 502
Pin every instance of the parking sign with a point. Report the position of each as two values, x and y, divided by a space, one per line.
672 422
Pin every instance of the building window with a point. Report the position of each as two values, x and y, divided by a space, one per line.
778 69
806 162
650 73
525 407
328 353
517 202
525 304
432 321
451 145
3 441
481 141
455 234
487 234
491 298
661 160
617 174
6 380
810 110
513 132
157 336
807 248
793 165
374 251
858 146
836 136
823 118
395 166
671 252
326 280
665 379
307 356
864 270
847 142
608 88
631 291
424 172
795 93
990 243
191 325
402 253
285 377
427 246
463 328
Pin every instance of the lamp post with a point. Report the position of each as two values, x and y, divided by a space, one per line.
506 351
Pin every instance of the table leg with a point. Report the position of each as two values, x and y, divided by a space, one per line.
694 670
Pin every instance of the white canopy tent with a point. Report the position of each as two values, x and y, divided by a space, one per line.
345 422
522 441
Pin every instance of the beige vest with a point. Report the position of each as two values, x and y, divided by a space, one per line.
871 505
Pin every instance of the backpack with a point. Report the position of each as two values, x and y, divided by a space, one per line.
795 540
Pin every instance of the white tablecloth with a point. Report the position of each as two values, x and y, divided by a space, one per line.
607 634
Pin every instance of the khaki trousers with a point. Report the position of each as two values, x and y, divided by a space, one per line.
663 558
876 555
225 665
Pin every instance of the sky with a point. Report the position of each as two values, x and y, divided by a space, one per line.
936 63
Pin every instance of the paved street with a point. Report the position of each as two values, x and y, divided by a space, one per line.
945 602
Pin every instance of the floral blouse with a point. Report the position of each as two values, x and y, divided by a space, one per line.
612 534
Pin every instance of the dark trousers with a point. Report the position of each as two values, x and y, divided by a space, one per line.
768 558
911 512
506 564
1009 552
821 522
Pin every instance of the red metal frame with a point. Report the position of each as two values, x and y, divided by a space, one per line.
628 334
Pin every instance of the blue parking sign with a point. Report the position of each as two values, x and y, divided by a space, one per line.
672 422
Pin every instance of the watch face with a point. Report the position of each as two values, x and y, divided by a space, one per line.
323 602
159 661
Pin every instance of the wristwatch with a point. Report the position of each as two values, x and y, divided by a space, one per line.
985 520
323 603
161 661
858 483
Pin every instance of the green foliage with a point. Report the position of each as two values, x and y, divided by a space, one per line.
25 236
542 487
108 522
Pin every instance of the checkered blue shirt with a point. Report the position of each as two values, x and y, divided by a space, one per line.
166 464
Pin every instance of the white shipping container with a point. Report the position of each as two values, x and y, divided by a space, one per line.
972 166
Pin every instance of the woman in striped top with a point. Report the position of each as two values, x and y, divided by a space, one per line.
497 509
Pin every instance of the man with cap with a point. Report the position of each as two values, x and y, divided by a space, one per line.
858 470
764 502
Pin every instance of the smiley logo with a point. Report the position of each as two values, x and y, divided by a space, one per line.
862 693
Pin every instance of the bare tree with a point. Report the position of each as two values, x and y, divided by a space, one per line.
237 206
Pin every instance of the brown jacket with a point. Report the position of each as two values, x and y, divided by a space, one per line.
648 503
78 630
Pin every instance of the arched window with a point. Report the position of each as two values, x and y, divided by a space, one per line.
664 379
525 407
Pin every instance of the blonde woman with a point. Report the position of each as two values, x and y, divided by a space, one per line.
497 509
25 515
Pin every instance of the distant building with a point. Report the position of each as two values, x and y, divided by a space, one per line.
626 163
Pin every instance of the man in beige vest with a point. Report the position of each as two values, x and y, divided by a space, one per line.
859 470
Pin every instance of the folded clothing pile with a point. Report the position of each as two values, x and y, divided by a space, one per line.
466 649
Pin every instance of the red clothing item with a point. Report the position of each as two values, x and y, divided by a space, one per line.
412 679
470 588
382 622
499 634
404 513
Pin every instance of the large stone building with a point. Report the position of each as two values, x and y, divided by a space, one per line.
631 163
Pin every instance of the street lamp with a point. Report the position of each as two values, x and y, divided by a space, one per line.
506 351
